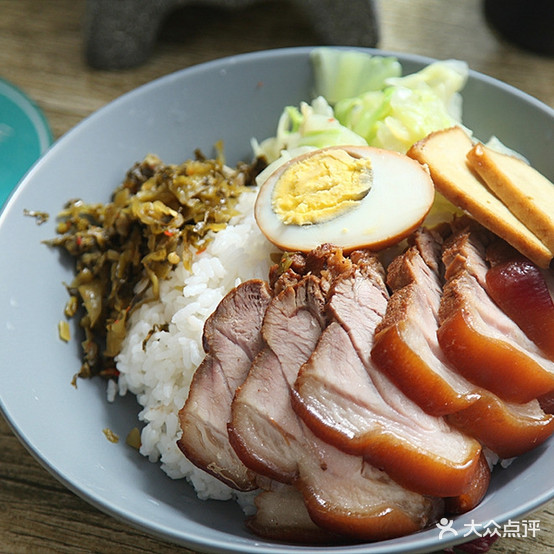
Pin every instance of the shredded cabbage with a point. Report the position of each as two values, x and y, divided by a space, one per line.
312 126
342 74
363 99
407 108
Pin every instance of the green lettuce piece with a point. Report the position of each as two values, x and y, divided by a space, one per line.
363 99
310 126
407 108
444 78
340 74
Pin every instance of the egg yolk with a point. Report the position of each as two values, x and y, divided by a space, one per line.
321 187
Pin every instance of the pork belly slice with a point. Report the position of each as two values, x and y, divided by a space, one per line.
546 402
232 338
350 496
339 498
480 340
341 492
474 493
304 515
263 423
506 428
405 345
281 515
406 348
520 288
349 403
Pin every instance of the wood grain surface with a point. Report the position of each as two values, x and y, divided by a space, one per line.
41 51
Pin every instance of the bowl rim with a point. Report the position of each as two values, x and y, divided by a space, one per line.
199 541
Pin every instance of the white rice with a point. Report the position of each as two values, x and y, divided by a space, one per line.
160 374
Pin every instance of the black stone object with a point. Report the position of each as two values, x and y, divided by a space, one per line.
121 34
528 24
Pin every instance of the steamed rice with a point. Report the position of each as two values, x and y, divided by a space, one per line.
159 373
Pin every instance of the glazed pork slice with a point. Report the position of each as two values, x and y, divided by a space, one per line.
524 292
405 345
507 428
263 425
546 402
349 403
484 344
342 493
282 515
292 325
406 349
232 338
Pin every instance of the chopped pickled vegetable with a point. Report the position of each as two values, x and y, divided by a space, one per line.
159 217
40 217
133 438
110 435
71 306
155 329
63 331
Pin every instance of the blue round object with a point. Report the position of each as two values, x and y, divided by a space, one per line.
24 136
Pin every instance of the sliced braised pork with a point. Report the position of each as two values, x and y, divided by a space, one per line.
282 515
508 429
342 493
348 402
405 344
263 426
521 289
406 348
478 338
232 338
546 402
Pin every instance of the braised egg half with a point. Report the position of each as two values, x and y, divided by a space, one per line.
349 196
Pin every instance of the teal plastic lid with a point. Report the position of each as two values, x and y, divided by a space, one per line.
24 136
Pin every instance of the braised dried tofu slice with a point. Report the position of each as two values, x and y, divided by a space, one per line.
232 338
528 194
445 154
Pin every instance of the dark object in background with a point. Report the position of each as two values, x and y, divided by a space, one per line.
526 23
121 34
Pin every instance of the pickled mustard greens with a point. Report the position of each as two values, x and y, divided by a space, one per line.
160 216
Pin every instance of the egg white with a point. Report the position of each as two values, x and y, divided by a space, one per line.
400 197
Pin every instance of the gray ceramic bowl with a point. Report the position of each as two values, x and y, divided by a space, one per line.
232 99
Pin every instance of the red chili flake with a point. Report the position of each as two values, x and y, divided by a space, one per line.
79 240
168 233
109 372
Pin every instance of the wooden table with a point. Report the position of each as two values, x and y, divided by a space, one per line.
41 51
